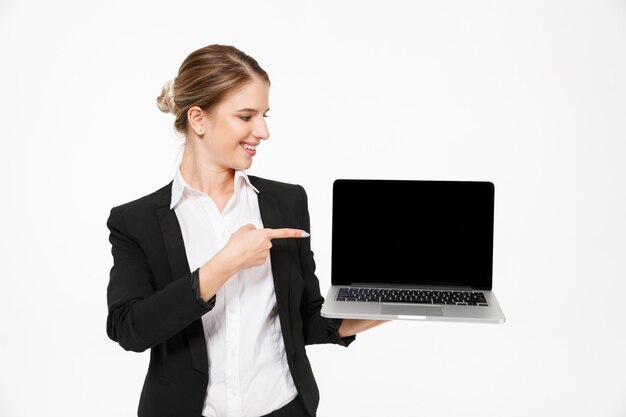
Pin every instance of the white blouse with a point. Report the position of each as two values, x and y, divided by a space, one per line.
248 370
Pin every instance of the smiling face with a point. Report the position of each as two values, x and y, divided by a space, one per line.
231 134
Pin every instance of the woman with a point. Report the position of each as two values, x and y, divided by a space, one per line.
214 272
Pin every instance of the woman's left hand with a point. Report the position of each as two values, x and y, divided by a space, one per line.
350 327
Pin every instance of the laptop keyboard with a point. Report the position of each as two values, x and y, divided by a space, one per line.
412 296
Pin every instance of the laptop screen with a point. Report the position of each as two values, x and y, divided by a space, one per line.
406 232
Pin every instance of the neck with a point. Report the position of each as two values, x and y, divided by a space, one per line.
204 175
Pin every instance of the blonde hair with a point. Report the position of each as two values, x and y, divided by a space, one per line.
205 78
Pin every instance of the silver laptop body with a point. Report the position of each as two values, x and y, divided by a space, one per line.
412 250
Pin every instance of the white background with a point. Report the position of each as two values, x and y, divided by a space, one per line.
528 94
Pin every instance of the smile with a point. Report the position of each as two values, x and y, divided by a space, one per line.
249 149
246 146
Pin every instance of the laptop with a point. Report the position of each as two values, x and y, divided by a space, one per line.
412 250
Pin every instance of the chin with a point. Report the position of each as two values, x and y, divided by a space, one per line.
244 166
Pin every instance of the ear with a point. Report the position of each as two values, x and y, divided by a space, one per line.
197 120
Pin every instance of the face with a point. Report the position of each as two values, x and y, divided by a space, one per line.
234 131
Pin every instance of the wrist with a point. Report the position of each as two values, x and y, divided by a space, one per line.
214 274
224 263
343 329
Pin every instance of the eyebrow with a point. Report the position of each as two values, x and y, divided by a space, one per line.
252 110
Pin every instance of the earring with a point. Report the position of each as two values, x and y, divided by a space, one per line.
201 131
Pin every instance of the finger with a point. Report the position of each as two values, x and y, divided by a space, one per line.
285 232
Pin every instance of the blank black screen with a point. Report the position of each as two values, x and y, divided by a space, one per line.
412 232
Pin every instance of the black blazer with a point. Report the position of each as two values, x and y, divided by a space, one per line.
151 304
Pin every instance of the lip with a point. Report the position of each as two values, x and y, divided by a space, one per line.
251 143
248 151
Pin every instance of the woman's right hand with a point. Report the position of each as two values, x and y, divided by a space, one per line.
246 248
249 247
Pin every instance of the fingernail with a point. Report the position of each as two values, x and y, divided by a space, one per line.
304 234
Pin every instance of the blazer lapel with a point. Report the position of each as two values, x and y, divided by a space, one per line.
175 248
270 214
173 240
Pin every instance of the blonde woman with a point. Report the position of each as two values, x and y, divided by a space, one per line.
214 272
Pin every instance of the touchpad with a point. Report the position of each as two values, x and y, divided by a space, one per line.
412 310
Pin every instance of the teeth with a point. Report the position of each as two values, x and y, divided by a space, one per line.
252 148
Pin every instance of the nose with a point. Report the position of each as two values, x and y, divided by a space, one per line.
260 130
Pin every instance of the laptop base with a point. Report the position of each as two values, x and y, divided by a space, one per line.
401 311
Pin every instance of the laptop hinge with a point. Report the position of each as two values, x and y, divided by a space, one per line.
425 286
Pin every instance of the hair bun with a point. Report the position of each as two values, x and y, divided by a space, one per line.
165 101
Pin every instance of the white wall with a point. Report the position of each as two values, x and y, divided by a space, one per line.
528 94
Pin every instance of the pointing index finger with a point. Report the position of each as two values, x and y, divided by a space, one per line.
286 232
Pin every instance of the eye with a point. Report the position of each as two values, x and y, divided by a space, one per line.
247 118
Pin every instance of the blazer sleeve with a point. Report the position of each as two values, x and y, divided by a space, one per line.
317 329
141 316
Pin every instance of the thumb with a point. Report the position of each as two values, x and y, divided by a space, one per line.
248 226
